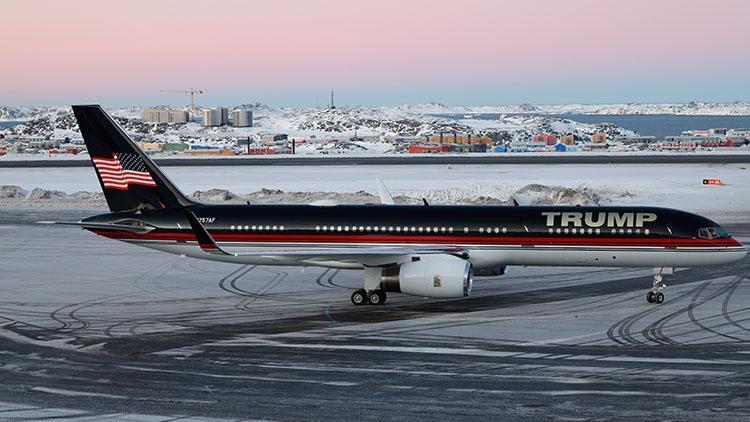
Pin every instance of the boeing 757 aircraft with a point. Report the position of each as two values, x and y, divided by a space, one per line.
429 251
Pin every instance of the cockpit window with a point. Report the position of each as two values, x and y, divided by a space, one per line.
712 233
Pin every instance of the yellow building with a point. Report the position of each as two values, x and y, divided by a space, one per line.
151 146
459 138
568 139
599 138
209 152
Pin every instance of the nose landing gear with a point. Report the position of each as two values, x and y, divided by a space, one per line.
655 294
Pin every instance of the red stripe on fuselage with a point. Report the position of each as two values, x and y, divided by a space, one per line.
427 239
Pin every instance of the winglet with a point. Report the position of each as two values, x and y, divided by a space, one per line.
385 195
204 239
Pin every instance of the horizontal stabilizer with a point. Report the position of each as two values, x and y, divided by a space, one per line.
102 226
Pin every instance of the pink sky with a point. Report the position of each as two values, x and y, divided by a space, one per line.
386 51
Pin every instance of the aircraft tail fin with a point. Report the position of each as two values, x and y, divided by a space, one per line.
129 179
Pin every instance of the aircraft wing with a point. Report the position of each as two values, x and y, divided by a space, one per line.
363 255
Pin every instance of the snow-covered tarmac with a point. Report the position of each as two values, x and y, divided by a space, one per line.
99 330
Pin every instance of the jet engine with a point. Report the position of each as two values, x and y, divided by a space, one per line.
440 276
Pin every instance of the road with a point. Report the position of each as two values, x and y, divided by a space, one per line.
297 160
95 329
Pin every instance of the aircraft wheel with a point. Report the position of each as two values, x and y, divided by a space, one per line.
359 297
650 297
376 297
659 297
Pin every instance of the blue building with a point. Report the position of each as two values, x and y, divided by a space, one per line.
564 148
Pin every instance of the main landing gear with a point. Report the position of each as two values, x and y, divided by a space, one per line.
372 293
373 297
655 294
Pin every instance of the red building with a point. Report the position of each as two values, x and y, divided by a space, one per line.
549 139
422 149
260 151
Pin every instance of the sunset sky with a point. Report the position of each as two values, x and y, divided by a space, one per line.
285 52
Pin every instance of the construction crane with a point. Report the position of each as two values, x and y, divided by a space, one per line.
192 92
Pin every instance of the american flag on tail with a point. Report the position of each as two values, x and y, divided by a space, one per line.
123 170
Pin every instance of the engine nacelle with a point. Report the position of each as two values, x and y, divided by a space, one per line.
430 276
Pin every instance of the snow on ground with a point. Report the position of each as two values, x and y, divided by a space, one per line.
670 185
694 108
344 123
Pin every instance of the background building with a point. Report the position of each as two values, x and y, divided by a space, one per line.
459 138
150 147
549 139
599 138
242 118
218 116
274 139
164 115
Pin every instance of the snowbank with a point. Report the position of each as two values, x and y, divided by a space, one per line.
12 195
533 194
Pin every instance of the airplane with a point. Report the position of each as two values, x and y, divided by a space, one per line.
423 250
